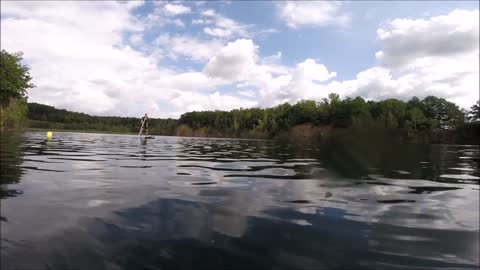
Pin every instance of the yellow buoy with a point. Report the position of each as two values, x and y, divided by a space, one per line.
49 134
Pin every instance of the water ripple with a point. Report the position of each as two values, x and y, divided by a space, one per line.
255 204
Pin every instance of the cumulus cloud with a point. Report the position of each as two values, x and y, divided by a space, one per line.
311 71
267 80
62 67
165 14
221 26
190 47
89 69
239 62
426 72
215 101
111 69
209 13
175 9
314 13
233 60
435 56
409 40
304 82
136 39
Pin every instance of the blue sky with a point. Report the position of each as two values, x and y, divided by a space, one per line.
124 58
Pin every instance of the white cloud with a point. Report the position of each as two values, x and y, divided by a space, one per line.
304 82
175 9
233 61
209 13
238 61
92 69
273 59
89 69
200 21
190 47
311 71
221 26
316 13
436 56
136 39
164 14
247 93
215 101
268 80
217 32
61 67
179 23
409 40
135 3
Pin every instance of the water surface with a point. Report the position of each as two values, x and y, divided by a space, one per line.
93 201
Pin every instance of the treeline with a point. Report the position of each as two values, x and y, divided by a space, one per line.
430 113
48 117
415 114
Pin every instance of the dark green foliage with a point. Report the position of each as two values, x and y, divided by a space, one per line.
14 82
415 118
14 77
415 114
474 114
442 113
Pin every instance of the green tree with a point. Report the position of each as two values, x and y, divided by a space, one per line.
14 77
391 112
445 113
304 111
474 113
415 102
347 113
14 81
333 97
415 117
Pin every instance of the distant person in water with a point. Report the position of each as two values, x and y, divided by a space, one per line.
144 121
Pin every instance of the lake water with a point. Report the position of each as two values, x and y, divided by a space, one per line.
93 201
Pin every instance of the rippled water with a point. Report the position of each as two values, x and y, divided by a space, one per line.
91 201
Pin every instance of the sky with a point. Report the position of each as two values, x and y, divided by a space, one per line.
125 58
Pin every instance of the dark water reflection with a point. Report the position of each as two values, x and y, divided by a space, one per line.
90 201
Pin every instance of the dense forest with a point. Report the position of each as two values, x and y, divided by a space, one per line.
416 114
430 113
